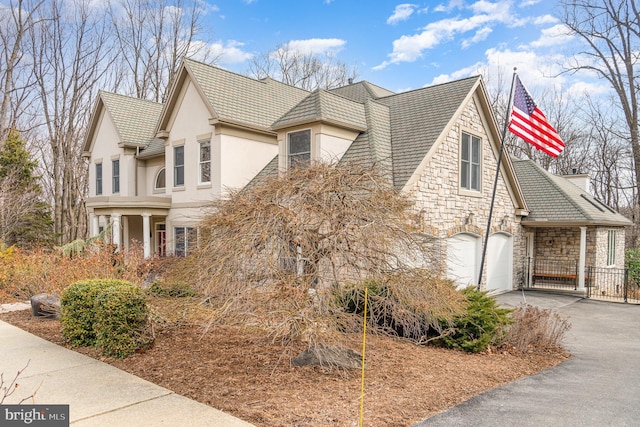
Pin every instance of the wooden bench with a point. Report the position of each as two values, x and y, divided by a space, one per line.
569 279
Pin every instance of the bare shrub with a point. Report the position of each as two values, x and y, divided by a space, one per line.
24 273
536 329
273 254
7 388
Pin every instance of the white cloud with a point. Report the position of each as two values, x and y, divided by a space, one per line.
544 20
552 36
527 3
229 52
485 14
479 36
317 46
401 13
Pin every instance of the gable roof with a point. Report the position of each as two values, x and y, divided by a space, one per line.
234 98
324 106
134 119
418 118
362 91
556 201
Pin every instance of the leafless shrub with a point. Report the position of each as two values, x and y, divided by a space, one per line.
8 388
275 254
537 329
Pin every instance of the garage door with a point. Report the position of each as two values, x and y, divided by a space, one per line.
499 262
463 259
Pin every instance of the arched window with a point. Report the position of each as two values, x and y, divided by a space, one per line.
160 179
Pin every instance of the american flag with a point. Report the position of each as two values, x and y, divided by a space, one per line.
530 124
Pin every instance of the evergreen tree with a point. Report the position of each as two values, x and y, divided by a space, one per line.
25 218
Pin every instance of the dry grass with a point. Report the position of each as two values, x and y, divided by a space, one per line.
536 329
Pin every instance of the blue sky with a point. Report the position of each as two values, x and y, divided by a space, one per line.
404 46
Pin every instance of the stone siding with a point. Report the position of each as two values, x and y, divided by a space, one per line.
445 209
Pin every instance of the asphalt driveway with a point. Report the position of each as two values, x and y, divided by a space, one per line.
598 386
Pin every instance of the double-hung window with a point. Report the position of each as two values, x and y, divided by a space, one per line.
185 240
205 162
470 149
115 177
299 148
178 166
98 179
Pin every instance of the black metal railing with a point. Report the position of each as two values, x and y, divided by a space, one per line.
551 274
612 284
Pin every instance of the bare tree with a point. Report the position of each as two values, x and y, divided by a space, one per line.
16 20
611 31
277 254
71 58
308 71
153 38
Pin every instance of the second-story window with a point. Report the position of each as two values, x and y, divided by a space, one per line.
470 149
299 148
205 162
178 166
115 169
98 179
160 179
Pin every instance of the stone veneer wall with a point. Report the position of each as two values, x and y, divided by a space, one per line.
601 246
446 210
564 244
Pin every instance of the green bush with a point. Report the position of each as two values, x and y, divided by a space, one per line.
632 262
78 310
121 323
413 305
482 325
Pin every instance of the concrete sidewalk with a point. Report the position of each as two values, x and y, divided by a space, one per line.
598 386
97 393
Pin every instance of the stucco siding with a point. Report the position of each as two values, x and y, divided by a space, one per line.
105 147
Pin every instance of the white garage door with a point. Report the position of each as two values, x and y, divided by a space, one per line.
499 262
463 259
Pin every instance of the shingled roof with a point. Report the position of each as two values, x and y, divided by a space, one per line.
418 118
243 100
325 106
555 201
362 91
134 119
398 130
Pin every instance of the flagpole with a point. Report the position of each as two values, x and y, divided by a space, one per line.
495 182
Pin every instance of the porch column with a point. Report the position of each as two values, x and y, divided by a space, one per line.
95 225
115 224
582 258
146 234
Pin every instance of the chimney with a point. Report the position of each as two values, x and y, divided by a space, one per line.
350 80
581 180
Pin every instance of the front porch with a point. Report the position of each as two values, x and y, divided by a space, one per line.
142 219
561 276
